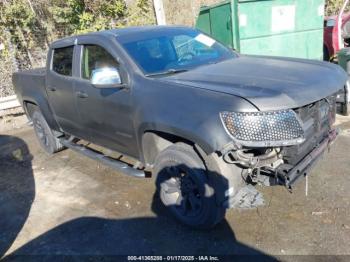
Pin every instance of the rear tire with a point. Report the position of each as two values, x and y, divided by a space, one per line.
184 188
44 134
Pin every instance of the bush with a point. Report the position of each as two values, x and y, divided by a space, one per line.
333 6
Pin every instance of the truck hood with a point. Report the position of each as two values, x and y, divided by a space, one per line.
270 83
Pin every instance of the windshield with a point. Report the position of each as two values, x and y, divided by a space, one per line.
174 50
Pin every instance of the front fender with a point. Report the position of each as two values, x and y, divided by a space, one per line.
190 113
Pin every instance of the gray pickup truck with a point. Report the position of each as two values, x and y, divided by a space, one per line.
203 119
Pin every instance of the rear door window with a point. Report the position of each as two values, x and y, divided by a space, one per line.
63 61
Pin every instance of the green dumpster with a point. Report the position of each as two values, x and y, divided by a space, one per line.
291 28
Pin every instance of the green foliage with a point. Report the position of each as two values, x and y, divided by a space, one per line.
58 18
16 14
17 20
80 16
333 6
140 13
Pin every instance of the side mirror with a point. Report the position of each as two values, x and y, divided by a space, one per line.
107 77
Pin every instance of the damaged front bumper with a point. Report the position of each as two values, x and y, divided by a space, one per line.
304 167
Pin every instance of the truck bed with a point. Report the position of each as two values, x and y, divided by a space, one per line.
36 71
29 83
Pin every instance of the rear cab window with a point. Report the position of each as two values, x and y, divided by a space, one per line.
62 61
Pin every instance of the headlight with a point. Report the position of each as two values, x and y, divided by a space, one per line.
261 129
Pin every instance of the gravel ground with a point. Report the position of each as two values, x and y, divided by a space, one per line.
68 204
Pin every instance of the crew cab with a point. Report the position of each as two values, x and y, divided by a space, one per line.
201 118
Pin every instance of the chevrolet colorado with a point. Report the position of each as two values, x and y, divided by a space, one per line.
203 119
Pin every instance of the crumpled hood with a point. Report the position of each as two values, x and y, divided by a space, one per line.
269 83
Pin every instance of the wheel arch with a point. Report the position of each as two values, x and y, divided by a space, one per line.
155 141
29 108
226 178
30 104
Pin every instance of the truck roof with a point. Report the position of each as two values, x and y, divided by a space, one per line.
113 32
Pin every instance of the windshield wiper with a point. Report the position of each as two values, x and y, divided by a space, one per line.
168 72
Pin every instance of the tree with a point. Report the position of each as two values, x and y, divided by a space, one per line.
80 16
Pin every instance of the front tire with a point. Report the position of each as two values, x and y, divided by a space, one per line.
184 188
44 134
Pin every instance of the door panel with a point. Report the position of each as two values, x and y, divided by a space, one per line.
60 90
105 112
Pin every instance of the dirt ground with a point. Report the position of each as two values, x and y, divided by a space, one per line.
67 204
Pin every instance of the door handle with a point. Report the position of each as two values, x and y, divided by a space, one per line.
82 94
52 88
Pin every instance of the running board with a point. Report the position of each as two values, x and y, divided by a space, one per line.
113 163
